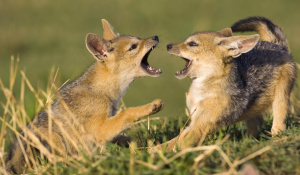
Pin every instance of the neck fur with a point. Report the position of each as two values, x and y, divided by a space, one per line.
111 84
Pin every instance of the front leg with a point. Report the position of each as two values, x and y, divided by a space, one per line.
186 139
206 119
170 145
106 130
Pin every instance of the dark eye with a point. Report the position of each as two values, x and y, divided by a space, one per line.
133 47
192 43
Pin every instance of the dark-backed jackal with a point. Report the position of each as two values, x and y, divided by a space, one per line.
235 78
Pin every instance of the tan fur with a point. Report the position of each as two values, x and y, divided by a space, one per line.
281 99
108 33
265 34
112 75
209 57
15 160
88 105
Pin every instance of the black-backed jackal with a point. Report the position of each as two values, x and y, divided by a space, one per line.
235 78
92 99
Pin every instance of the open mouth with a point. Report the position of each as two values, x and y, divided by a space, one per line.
184 70
146 65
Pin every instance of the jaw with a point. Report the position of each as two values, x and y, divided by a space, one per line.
146 68
185 71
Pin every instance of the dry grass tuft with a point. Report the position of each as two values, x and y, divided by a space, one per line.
15 119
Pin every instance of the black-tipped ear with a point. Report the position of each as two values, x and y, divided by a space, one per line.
108 32
226 32
97 46
236 45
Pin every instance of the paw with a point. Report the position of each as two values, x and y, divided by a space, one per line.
172 145
156 106
154 148
277 129
122 140
169 146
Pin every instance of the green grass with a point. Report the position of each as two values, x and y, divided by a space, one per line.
50 34
224 151
281 155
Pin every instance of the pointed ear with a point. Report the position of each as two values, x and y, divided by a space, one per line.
226 32
97 46
236 45
108 32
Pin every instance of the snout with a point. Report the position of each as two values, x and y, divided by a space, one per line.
169 46
173 49
155 38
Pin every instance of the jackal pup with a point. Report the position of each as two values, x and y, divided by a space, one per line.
235 78
93 98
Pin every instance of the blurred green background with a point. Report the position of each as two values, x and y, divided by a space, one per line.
51 33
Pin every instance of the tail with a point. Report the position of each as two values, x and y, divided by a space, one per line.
15 160
268 31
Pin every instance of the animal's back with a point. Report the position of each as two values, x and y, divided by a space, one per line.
254 77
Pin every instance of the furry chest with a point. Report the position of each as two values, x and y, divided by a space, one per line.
194 97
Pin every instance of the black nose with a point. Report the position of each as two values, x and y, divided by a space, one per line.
155 38
169 46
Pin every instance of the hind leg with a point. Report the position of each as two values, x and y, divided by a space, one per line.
281 101
254 125
56 140
15 160
280 110
282 93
